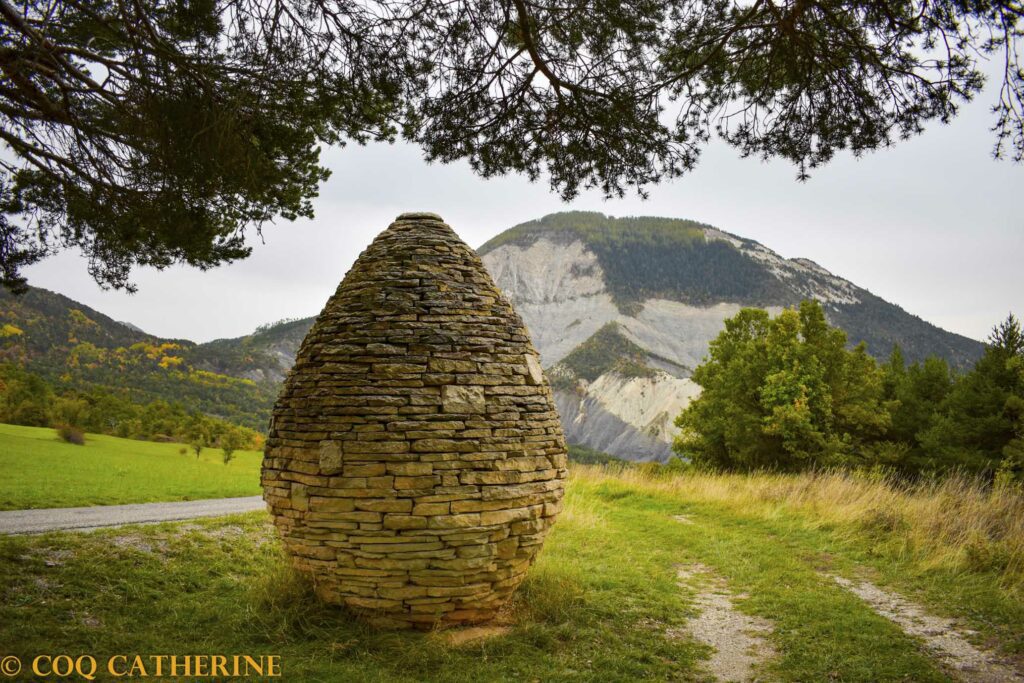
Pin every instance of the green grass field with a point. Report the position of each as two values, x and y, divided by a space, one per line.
603 602
38 470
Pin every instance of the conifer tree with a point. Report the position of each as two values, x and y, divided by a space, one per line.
155 132
980 421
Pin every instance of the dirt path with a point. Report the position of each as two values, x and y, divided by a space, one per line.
940 635
87 518
738 638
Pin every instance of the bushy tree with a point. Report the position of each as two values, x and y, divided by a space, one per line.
230 441
1011 467
783 393
71 410
981 421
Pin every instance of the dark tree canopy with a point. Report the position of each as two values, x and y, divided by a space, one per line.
152 132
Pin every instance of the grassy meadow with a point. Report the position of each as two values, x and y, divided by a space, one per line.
602 603
38 470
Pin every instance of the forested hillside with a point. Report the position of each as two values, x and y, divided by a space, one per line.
650 257
73 346
265 355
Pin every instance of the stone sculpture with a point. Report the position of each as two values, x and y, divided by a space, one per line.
415 459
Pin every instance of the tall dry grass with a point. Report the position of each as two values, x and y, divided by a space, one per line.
957 522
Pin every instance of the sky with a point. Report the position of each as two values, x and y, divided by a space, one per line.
932 224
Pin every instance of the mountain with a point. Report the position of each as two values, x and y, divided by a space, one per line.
622 310
266 355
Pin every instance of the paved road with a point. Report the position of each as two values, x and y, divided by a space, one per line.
88 518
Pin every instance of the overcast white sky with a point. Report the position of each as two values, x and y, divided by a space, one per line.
932 224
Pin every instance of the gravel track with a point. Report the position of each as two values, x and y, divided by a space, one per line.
940 635
101 516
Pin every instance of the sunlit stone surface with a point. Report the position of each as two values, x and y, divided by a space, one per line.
415 459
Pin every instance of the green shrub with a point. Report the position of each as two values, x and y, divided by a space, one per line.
71 434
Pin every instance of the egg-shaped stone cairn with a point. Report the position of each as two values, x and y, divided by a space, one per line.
415 460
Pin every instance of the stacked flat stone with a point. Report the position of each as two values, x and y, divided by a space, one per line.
415 459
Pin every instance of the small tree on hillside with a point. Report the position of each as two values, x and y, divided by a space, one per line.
71 434
230 441
199 431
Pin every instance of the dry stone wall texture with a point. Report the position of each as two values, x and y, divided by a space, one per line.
415 459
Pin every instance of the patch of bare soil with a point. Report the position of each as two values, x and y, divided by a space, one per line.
737 638
225 531
260 537
471 634
148 546
682 519
89 621
463 635
940 635
52 557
